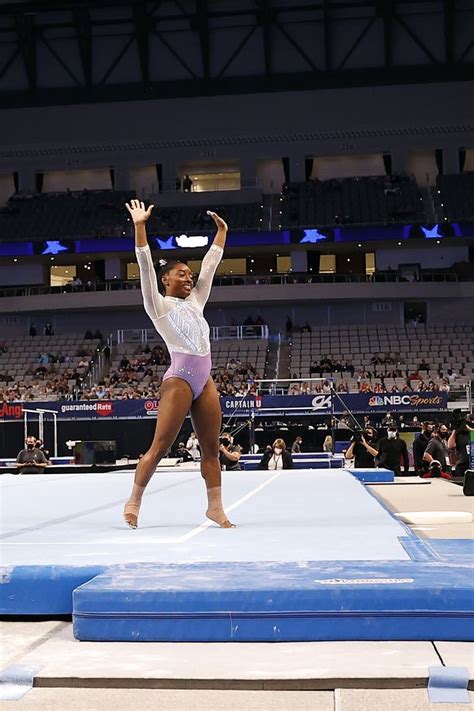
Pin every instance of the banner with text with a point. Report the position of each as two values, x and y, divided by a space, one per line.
268 405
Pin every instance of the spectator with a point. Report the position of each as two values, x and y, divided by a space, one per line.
76 283
388 419
460 441
32 330
363 449
98 335
277 457
192 445
88 335
327 444
419 447
306 328
229 453
437 451
48 329
187 184
296 446
289 325
183 453
31 460
391 450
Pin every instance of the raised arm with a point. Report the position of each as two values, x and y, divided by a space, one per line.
152 299
211 261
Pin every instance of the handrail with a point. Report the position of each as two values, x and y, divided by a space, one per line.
240 280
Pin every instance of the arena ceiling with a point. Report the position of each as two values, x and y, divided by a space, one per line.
55 52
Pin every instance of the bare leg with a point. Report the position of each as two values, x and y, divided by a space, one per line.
176 399
206 416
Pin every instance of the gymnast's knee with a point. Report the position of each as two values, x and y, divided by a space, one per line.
155 453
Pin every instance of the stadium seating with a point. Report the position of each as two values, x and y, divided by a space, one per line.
61 215
101 213
21 360
441 347
377 200
454 197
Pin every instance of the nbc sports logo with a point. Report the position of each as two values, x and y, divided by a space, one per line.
376 401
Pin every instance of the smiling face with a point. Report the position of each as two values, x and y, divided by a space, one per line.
178 281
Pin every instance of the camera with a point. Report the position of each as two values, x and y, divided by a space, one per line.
357 436
224 440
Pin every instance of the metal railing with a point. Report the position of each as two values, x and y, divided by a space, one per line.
239 280
218 333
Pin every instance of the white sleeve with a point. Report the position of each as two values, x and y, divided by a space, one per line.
152 299
206 275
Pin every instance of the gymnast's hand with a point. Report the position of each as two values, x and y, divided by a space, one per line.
220 223
138 212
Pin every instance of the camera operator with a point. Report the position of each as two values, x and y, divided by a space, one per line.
419 446
363 449
437 451
229 453
31 460
460 441
391 450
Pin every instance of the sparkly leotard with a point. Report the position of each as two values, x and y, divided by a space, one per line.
180 322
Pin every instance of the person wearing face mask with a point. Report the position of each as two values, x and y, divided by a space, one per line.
419 447
392 450
276 457
229 453
31 460
437 451
363 449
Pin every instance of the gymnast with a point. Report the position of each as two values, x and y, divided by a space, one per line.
176 307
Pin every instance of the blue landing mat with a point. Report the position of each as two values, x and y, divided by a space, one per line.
306 463
373 476
277 602
41 589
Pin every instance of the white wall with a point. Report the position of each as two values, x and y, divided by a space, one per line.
23 274
270 175
327 167
144 180
60 180
438 257
469 164
422 164
7 187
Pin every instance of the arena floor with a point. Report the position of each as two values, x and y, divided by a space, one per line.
317 675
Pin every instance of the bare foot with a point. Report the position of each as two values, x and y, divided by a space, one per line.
220 518
130 514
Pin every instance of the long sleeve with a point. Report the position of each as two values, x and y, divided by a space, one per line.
208 268
152 299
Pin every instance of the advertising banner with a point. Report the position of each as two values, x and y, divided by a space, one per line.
268 405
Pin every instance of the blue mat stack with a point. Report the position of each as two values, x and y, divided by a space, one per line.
276 602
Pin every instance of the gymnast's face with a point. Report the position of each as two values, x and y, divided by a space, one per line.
178 281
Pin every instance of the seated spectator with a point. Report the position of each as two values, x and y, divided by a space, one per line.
183 453
277 457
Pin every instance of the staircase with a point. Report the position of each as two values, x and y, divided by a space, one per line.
429 205
284 365
272 358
